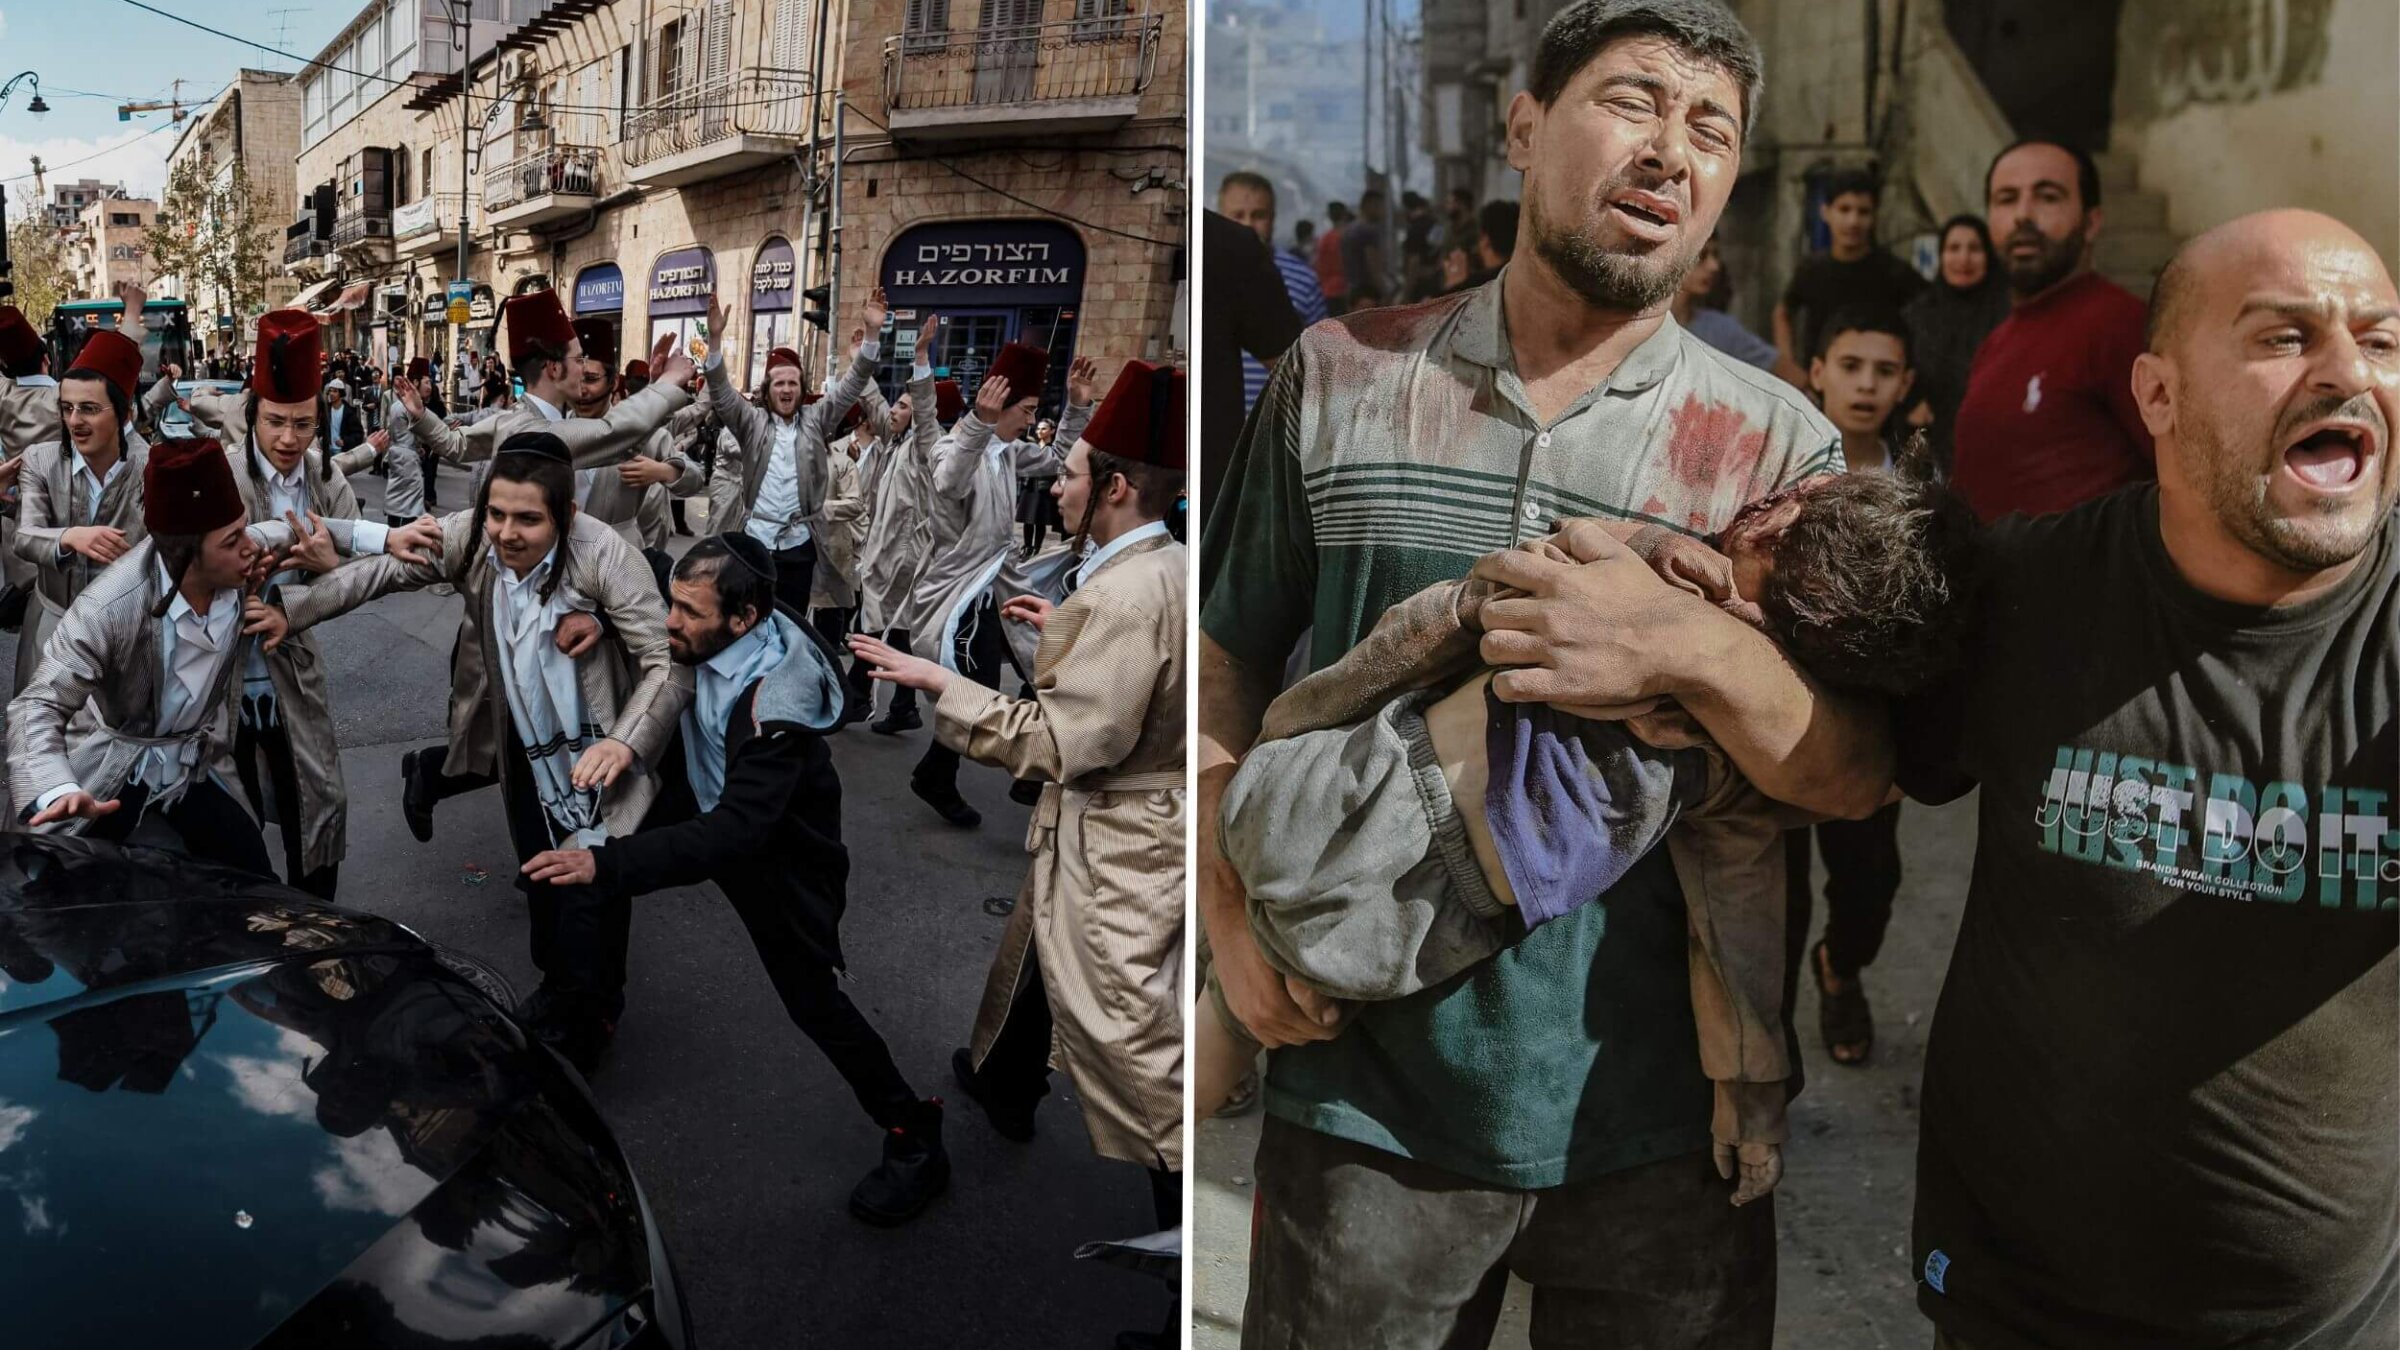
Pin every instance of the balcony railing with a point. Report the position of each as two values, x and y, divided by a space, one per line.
434 215
1109 57
362 227
559 171
751 102
301 241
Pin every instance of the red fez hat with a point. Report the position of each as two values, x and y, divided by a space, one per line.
187 488
537 317
1142 417
1024 366
419 367
637 369
288 366
948 403
851 419
599 340
20 345
783 356
116 357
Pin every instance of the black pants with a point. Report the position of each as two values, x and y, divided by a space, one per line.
675 508
272 748
662 566
1862 875
832 624
214 826
979 656
579 933
443 785
795 568
812 994
862 676
431 463
1358 1249
1016 1072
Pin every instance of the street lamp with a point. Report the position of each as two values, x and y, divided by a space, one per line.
37 107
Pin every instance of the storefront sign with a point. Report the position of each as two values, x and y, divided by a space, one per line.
480 307
682 282
771 277
970 263
599 289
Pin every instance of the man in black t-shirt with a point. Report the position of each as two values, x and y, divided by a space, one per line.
1246 309
2162 1092
1851 272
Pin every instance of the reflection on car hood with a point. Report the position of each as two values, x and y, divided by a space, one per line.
226 1108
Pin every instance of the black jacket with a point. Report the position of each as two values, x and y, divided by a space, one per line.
354 426
776 831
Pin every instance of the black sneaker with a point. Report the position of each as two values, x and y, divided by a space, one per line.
947 803
582 1042
416 800
897 721
1025 791
857 708
914 1170
1012 1121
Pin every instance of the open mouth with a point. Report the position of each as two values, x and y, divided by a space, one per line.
1649 213
2332 456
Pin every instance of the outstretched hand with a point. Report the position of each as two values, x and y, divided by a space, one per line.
561 867
77 804
418 543
898 667
577 632
312 543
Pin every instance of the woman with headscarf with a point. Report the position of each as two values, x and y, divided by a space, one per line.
1948 321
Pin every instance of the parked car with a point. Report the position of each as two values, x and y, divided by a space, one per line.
235 1116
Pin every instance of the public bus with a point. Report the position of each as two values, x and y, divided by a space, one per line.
166 333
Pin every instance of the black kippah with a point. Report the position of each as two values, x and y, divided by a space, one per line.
751 554
543 444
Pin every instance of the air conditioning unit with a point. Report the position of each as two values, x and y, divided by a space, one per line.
518 67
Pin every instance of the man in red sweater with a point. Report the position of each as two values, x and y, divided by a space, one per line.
2049 418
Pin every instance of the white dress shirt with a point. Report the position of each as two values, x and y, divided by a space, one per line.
94 484
193 649
772 519
1100 556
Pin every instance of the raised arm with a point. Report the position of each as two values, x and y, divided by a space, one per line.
959 455
1082 386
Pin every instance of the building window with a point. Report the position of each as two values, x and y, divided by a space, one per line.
926 27
425 178
1099 20
124 218
675 66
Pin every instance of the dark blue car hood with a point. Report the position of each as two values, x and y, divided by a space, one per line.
233 1116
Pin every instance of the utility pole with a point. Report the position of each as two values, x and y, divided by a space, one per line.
459 14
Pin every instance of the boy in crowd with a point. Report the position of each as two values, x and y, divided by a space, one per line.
1851 271
1397 825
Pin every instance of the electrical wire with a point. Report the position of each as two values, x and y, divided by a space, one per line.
134 140
1021 201
386 79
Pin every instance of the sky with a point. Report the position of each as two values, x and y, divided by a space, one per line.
140 55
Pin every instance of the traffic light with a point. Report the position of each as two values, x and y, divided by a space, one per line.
817 303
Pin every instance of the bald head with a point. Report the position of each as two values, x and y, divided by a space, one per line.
2226 258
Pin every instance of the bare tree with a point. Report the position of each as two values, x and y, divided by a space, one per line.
38 258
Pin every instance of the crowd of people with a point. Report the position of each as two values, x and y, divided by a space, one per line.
650 718
1552 623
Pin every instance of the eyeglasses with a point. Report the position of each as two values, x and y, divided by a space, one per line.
84 410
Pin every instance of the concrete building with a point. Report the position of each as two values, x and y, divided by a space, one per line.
67 200
2197 110
633 155
255 122
1286 99
106 246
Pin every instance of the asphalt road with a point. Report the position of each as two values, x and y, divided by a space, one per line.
745 1139
1842 1211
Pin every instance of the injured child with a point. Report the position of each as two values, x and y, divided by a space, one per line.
1397 823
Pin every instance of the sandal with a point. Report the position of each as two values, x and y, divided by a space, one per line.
1843 1019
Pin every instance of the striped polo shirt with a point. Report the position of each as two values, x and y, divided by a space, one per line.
1300 285
1394 448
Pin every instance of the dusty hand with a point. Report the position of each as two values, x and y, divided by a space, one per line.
1083 381
102 544
1031 609
561 867
266 622
312 544
642 471
1759 1165
873 314
81 804
1601 632
602 765
991 398
897 667
418 543
577 633
1688 565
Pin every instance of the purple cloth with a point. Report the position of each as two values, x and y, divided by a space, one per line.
1574 803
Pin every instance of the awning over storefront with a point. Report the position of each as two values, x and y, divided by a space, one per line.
599 289
681 283
353 296
308 298
771 278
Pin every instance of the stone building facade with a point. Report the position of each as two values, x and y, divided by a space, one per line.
106 247
255 122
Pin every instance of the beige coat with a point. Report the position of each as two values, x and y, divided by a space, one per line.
28 417
838 526
897 477
630 684
974 512
628 511
297 669
748 444
1102 903
593 442
47 507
